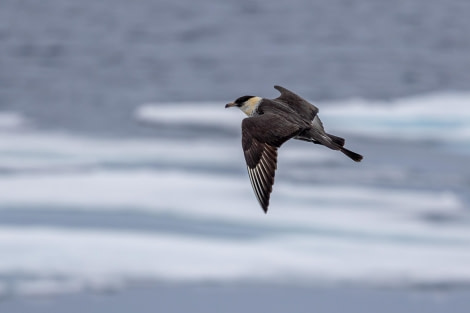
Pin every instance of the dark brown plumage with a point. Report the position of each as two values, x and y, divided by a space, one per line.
272 122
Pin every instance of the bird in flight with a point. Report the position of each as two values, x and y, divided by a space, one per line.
269 124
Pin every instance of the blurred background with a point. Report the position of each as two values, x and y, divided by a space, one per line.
123 182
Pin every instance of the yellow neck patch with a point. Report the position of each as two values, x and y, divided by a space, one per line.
249 106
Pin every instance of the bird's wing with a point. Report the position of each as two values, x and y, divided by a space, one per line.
261 136
297 103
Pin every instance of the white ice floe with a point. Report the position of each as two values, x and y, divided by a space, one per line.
208 113
230 199
11 121
56 151
430 117
83 259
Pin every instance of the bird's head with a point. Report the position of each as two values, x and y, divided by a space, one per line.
247 104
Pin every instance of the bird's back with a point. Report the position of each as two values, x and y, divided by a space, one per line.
284 112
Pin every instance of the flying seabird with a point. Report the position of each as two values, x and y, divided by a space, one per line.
269 124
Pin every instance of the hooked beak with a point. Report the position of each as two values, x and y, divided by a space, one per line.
229 105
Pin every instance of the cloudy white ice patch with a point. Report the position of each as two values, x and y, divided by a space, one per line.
207 113
53 151
429 117
11 121
221 197
52 259
28 151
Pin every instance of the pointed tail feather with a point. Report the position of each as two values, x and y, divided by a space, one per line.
330 141
337 140
353 155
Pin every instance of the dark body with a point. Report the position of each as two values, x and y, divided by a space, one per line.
274 122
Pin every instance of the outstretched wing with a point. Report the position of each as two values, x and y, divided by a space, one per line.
261 136
297 103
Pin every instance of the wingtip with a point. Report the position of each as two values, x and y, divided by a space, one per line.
280 89
264 206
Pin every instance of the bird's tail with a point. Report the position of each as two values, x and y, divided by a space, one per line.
353 155
330 141
339 143
337 140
